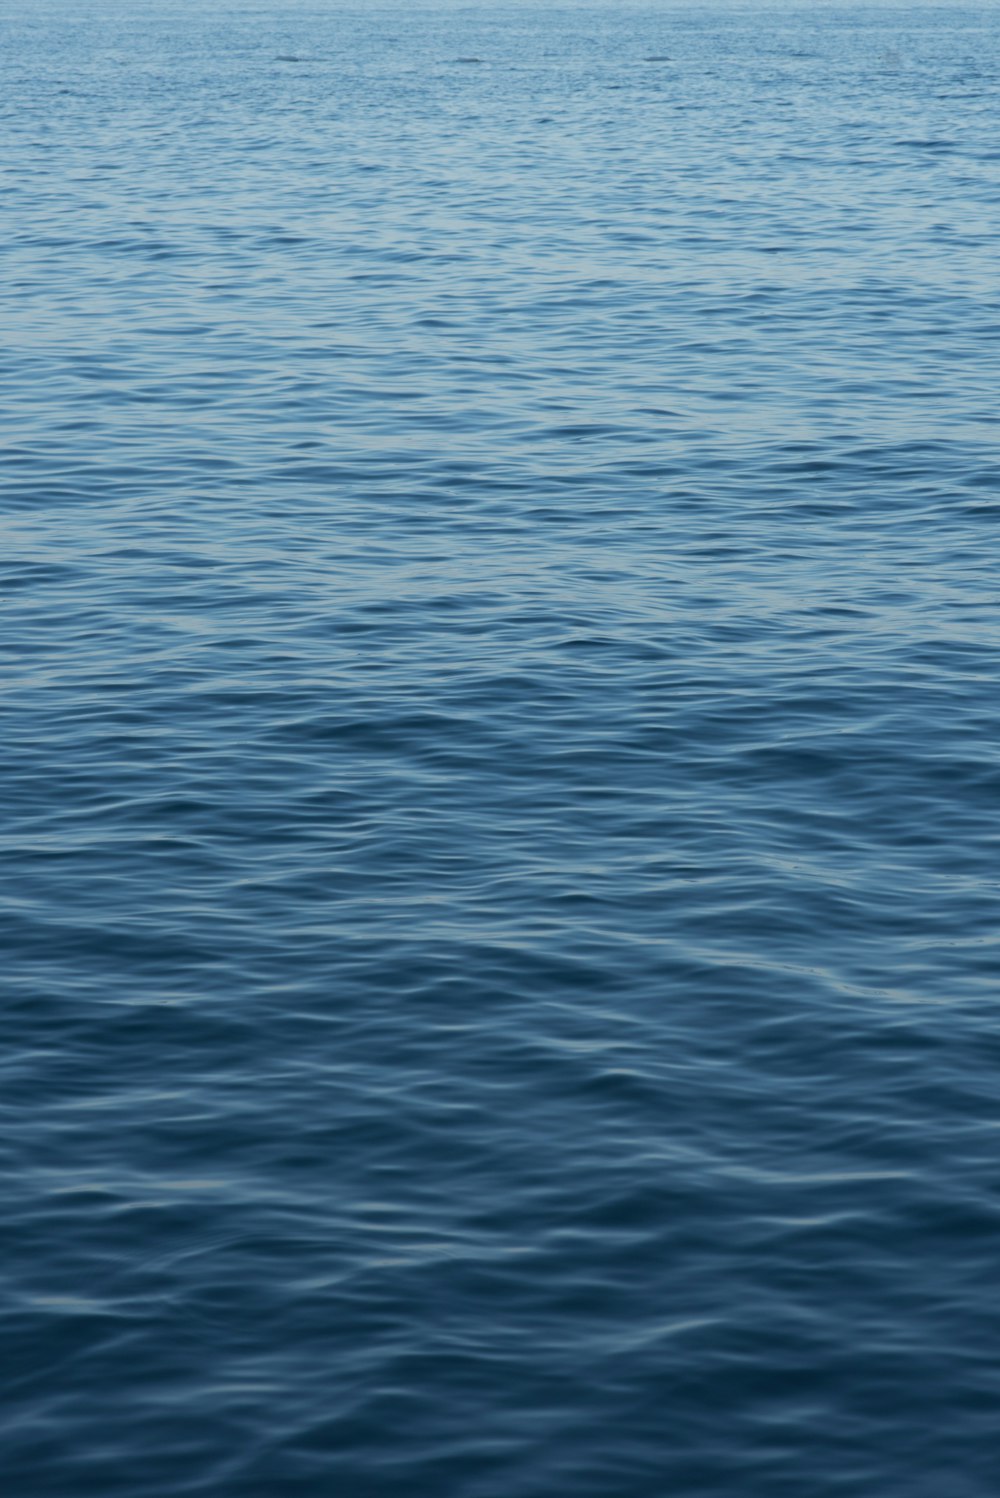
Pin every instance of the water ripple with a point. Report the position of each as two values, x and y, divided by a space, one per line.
500 744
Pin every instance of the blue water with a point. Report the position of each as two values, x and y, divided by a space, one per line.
501 750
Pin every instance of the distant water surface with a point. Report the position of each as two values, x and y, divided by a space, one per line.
501 751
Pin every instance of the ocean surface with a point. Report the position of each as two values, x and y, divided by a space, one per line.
500 751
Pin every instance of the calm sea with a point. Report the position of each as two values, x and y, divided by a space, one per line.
500 751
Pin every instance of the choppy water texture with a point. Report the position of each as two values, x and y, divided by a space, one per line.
500 752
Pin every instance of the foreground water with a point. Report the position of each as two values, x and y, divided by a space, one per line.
500 748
